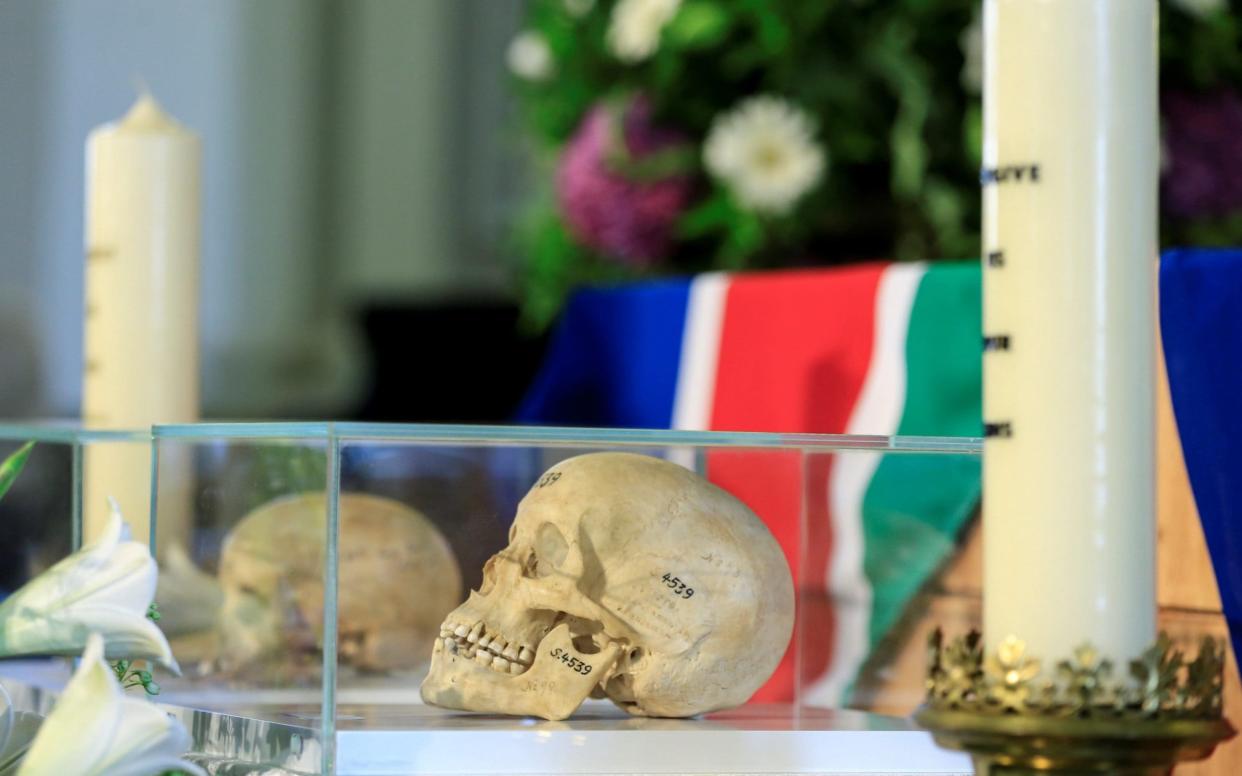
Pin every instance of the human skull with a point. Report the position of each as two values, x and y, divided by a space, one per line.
625 577
396 579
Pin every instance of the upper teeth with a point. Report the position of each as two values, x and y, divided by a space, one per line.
474 642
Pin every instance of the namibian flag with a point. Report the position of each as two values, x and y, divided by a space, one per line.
878 349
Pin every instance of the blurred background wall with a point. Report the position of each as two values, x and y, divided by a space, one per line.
357 166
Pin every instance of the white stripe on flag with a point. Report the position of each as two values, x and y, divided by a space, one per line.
700 350
877 411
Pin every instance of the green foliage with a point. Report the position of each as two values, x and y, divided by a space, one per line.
129 676
884 83
699 24
12 466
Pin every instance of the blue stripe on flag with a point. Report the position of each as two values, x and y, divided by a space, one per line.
613 359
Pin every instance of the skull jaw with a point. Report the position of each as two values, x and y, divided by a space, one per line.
551 688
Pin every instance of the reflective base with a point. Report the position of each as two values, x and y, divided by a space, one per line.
1015 744
278 734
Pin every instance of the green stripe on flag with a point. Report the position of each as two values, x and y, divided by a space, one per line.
915 505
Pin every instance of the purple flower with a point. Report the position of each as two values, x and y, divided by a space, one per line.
1203 146
608 204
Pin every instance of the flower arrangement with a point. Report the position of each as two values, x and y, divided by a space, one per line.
678 136
96 603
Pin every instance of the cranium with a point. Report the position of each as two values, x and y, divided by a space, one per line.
625 577
396 579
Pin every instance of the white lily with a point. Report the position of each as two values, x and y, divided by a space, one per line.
95 730
106 587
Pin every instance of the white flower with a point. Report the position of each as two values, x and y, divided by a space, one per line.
635 26
95 730
1200 8
579 8
529 56
764 150
971 44
106 587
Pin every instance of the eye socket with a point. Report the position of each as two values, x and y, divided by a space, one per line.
536 567
551 548
547 554
530 567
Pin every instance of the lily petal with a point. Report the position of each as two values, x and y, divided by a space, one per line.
104 587
95 730
147 738
98 565
117 572
57 584
129 635
75 737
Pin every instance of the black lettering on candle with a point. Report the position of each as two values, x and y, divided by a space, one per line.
998 429
996 342
1009 173
996 258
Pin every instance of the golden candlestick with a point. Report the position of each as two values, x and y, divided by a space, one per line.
1013 717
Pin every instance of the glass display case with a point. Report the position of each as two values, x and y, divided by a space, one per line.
314 575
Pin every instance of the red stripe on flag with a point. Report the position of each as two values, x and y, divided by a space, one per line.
794 351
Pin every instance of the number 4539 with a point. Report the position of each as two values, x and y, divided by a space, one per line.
677 586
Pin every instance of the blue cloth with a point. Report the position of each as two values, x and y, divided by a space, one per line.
613 359
1201 325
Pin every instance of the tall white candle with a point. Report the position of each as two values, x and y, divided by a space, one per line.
1069 193
141 345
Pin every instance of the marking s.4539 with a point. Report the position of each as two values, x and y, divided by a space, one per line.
678 587
573 662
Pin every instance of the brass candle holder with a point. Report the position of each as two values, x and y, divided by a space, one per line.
1013 718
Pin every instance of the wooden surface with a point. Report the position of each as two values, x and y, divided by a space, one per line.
892 681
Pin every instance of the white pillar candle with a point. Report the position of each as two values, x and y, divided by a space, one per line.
141 344
1069 195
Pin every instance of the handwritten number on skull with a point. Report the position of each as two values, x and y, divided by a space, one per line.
548 479
571 662
678 587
